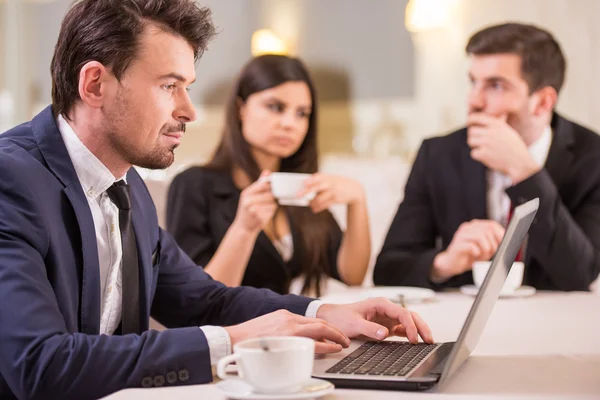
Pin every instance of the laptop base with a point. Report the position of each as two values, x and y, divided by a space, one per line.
380 385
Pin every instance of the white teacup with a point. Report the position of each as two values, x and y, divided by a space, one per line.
285 187
283 367
513 280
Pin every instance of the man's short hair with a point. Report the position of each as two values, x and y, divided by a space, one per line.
108 31
542 61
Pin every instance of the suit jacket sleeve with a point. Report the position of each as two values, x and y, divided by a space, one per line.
39 357
565 242
187 216
186 295
409 248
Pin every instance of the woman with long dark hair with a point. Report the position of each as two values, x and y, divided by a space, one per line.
226 218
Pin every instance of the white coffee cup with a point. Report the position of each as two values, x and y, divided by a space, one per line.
513 280
285 187
283 366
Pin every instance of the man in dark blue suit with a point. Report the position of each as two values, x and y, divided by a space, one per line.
83 263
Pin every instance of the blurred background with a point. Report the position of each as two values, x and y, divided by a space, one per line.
388 73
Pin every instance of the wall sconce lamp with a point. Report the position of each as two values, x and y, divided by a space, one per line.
423 15
265 41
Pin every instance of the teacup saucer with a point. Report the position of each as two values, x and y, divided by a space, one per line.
521 291
237 389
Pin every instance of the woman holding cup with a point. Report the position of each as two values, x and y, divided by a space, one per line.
225 215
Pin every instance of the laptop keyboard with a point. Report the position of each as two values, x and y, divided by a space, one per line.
383 358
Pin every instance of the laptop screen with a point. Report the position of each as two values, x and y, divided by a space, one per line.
482 307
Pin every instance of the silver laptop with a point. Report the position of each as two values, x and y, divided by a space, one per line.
395 365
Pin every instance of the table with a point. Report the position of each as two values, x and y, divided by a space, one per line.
543 346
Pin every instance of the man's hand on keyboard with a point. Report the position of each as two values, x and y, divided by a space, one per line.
376 319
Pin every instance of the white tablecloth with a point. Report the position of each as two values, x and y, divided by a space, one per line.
544 346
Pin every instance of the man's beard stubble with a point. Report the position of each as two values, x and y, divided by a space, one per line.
157 158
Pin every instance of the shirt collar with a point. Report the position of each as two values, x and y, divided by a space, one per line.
93 175
541 147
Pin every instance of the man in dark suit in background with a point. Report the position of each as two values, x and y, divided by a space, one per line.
83 263
462 186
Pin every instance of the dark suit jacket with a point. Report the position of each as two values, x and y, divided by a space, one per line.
50 285
202 205
446 187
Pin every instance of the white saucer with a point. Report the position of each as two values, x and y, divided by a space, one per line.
237 389
522 291
393 293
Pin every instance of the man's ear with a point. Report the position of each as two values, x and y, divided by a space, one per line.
546 99
93 81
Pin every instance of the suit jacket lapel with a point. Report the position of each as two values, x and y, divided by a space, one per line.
144 257
90 277
56 156
473 182
560 156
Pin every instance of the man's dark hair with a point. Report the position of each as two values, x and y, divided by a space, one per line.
108 31
542 61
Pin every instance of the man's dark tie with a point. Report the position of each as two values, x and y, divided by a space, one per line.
130 322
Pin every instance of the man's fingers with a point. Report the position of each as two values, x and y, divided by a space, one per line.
485 234
488 243
491 238
326 348
470 247
327 330
320 330
480 119
479 237
477 137
497 231
422 328
493 232
372 330
478 153
388 309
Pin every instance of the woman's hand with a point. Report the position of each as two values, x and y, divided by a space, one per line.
257 206
332 189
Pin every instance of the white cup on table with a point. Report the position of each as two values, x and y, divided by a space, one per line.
513 280
278 364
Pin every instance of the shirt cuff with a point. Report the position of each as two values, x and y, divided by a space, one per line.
219 342
313 308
